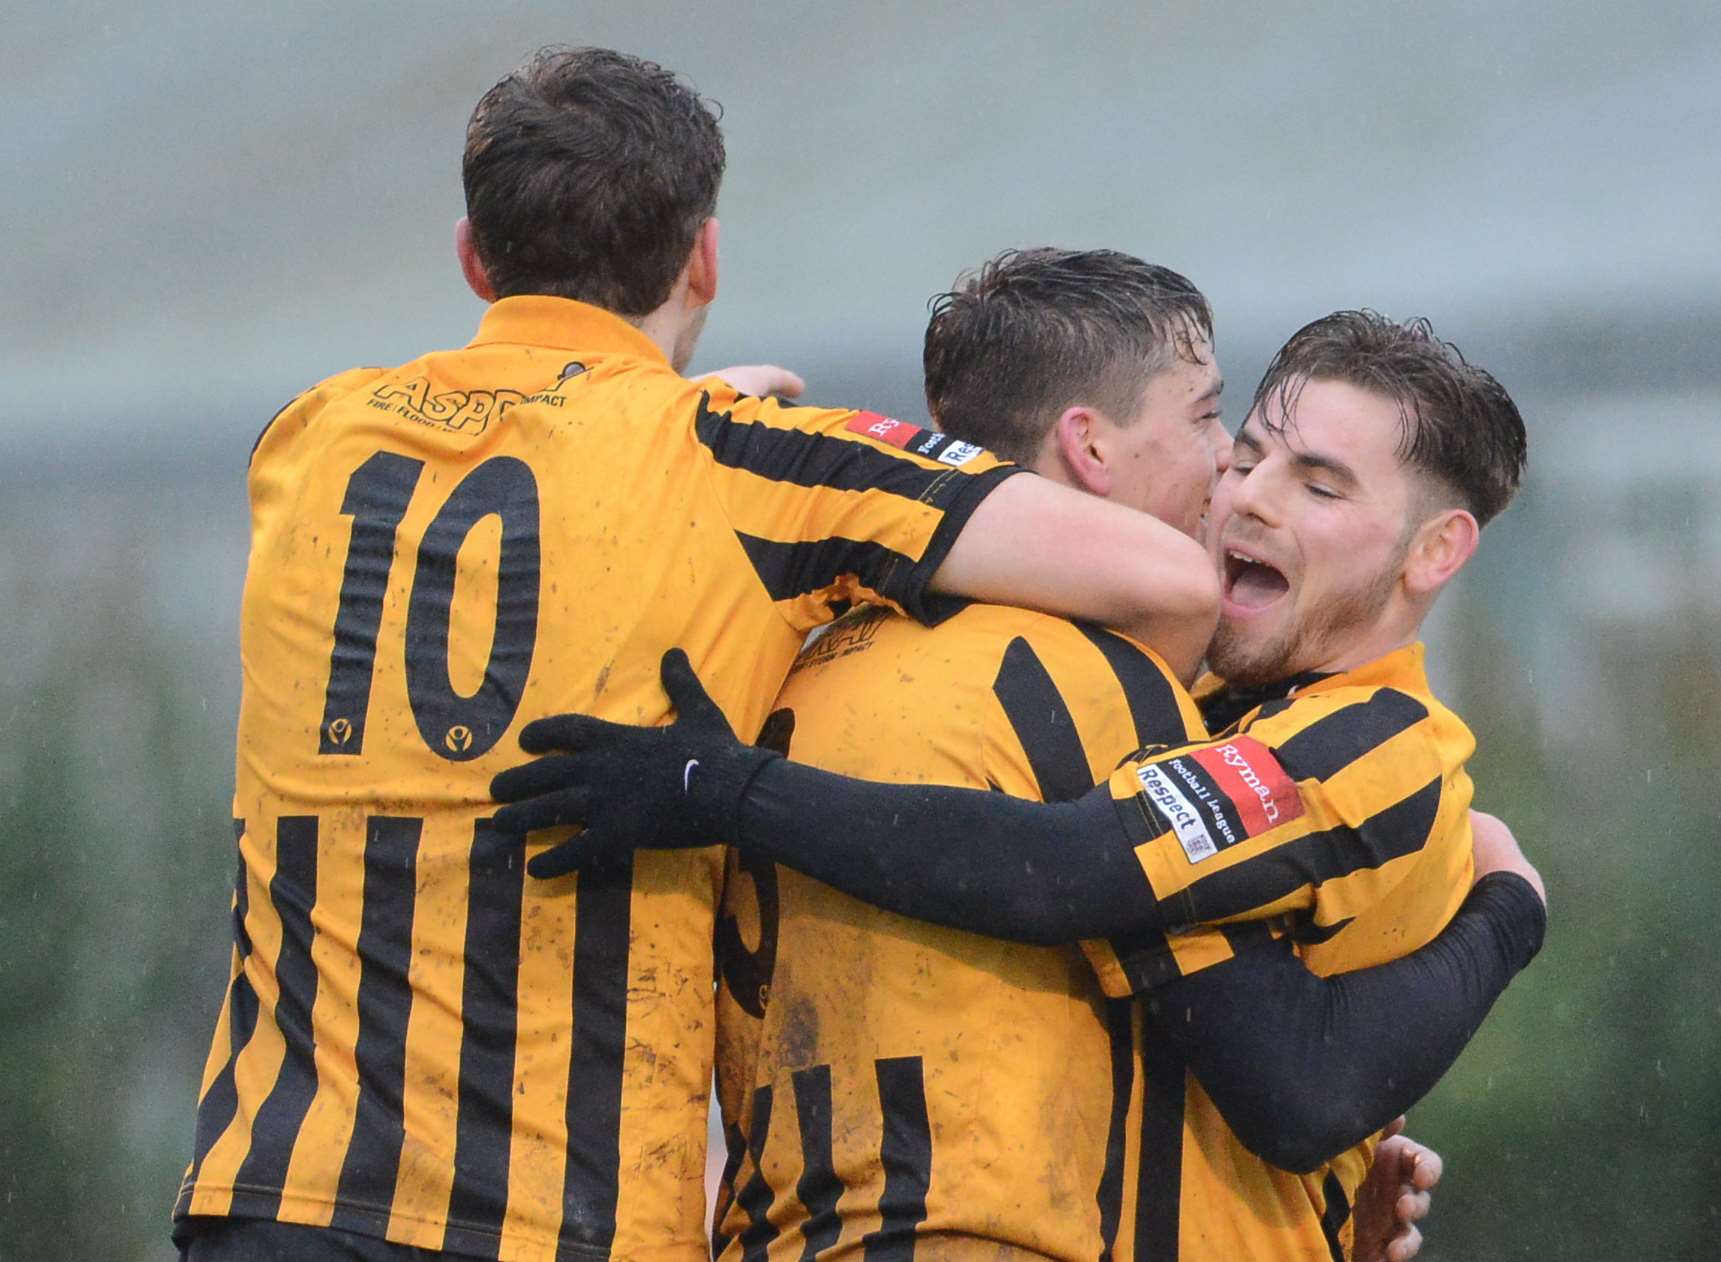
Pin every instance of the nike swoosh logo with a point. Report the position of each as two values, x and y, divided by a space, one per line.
687 774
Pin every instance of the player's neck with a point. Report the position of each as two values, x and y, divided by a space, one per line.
1385 637
662 326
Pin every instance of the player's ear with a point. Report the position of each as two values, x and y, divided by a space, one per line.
1079 455
702 265
1440 548
471 266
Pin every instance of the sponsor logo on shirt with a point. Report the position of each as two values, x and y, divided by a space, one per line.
887 429
1181 814
921 441
467 411
1263 794
1215 797
848 635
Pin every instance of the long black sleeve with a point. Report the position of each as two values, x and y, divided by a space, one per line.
1303 1067
986 863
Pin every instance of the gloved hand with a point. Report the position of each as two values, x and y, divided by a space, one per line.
654 788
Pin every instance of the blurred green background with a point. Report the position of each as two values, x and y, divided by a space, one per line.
211 208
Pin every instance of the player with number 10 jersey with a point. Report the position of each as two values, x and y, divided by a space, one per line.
418 1042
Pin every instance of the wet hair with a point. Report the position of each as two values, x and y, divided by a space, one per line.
1033 332
588 174
1458 424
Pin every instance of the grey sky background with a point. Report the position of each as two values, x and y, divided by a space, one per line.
214 205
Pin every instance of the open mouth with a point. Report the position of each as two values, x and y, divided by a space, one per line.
1251 583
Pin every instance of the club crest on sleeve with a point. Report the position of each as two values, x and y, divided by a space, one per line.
1216 797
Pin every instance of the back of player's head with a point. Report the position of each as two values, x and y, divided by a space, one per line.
1034 332
1459 426
588 173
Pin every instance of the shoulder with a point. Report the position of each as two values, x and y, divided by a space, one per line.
964 649
715 399
1321 734
980 651
1082 662
298 412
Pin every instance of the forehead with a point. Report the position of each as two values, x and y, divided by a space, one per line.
1335 420
1184 379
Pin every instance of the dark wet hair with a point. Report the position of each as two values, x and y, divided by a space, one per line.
588 174
1033 332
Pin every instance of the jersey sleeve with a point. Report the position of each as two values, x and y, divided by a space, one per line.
1034 748
837 506
1305 815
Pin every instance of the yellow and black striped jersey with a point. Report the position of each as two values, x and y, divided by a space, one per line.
1342 813
887 1082
418 1043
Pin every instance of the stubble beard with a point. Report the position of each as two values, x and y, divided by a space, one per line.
1314 638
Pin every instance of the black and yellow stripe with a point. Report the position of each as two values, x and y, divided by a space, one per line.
796 504
418 1043
1370 772
1372 869
898 1087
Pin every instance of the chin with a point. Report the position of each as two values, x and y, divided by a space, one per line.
1248 658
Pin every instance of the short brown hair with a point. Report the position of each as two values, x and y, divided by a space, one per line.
1036 331
1459 426
588 173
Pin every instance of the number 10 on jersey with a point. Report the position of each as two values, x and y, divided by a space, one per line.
453 726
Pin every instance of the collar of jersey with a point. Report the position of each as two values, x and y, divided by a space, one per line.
562 323
1403 669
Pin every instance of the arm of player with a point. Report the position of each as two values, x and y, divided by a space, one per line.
761 380
840 506
1034 543
1129 856
1304 1067
984 862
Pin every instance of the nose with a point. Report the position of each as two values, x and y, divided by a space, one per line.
1252 496
1220 442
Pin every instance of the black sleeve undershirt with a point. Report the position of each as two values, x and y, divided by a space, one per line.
1303 1067
987 863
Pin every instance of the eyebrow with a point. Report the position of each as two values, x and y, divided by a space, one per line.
1305 461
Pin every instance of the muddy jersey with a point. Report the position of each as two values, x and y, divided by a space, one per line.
1338 814
419 1043
894 1088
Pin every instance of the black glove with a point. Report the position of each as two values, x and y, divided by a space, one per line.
654 788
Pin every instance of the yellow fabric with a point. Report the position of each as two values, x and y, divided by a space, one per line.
1233 1204
1007 1050
555 470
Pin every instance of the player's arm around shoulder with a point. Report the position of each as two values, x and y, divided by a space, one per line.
1011 540
834 506
1032 542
